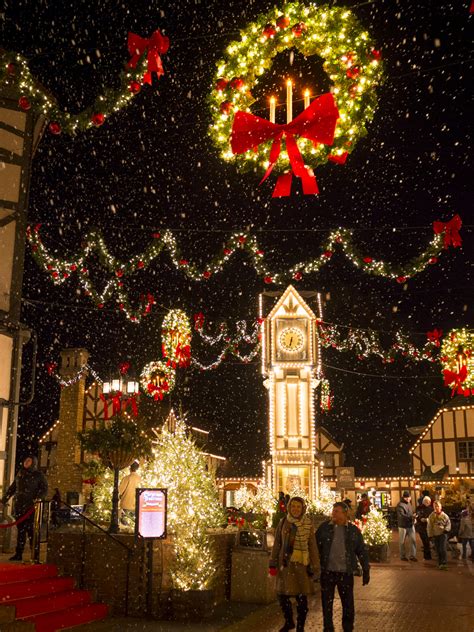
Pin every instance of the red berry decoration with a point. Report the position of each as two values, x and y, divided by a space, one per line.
297 276
183 262
119 273
24 103
298 29
227 251
237 83
260 253
433 260
242 239
226 107
368 259
135 87
269 31
268 280
206 274
98 119
54 128
221 84
401 279
353 72
73 267
11 69
100 305
327 254
283 22
376 54
140 264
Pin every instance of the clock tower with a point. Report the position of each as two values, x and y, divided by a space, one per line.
290 357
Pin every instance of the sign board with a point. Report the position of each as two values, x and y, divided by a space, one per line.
345 478
151 513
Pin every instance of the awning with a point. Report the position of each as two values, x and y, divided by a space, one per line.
434 473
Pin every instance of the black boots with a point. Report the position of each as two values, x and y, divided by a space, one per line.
285 604
16 558
302 610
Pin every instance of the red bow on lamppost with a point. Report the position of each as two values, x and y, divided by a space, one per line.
155 46
316 123
451 231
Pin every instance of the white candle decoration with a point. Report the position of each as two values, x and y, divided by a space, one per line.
289 101
272 109
306 99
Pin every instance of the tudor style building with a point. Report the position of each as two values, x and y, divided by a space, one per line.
445 447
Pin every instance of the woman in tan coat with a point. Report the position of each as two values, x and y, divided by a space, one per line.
294 561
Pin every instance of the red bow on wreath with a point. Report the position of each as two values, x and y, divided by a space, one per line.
451 231
157 392
451 378
316 123
123 367
182 354
198 321
434 336
155 45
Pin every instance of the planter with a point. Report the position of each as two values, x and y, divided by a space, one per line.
192 605
378 552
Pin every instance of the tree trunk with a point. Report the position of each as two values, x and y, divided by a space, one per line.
114 518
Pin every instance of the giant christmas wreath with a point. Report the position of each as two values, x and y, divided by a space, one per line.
352 64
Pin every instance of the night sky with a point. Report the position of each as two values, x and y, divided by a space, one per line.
152 166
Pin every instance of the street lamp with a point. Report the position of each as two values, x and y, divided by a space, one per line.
121 384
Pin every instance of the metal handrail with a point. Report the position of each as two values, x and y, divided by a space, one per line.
37 540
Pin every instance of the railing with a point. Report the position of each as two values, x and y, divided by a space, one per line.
43 510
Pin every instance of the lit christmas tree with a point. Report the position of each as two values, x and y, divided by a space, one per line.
375 530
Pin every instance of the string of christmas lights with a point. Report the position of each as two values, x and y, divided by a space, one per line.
61 269
85 368
14 70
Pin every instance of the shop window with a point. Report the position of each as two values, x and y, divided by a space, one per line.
328 458
466 450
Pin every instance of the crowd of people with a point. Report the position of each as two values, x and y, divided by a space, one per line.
335 552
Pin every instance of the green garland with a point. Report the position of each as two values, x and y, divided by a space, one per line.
350 60
14 71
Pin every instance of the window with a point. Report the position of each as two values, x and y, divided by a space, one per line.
328 459
466 450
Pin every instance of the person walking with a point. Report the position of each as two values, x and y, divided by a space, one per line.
406 528
293 561
341 546
439 525
466 531
363 506
127 493
350 511
29 485
422 514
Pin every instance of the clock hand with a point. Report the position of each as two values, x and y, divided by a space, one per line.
291 341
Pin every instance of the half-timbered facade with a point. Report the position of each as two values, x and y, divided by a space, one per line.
445 447
329 451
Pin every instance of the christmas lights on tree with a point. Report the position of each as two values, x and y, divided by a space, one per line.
374 529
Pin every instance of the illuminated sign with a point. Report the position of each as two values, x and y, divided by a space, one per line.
151 513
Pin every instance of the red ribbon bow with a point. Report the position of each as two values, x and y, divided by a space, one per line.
155 45
451 378
434 336
451 231
183 355
316 123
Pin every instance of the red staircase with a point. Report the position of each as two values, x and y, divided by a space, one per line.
34 595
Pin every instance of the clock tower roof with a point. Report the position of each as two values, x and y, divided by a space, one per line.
291 303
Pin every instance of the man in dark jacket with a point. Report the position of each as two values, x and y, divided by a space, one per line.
29 485
341 546
406 527
422 514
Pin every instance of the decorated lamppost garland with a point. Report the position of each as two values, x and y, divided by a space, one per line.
61 269
145 60
353 65
457 359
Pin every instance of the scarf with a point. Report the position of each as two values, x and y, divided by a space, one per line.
297 549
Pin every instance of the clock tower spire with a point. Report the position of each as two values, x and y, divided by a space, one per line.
290 356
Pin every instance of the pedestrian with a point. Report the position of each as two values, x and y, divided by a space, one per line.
466 530
341 549
127 493
350 511
55 507
406 528
29 486
422 514
294 561
439 525
424 494
363 506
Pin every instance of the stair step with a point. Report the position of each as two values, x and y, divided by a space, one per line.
35 588
49 603
69 617
10 573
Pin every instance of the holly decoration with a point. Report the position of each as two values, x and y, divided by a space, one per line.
14 70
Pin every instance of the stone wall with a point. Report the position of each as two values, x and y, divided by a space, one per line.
105 568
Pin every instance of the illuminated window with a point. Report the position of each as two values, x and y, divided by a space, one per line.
291 477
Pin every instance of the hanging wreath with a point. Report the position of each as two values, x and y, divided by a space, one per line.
354 68
157 379
457 359
176 338
145 60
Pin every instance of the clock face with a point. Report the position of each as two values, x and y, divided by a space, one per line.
291 339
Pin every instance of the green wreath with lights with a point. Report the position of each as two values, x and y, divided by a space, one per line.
157 379
350 59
